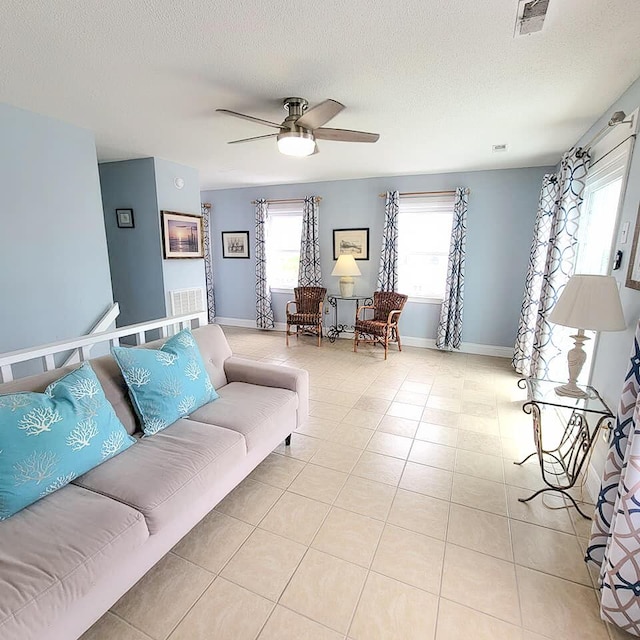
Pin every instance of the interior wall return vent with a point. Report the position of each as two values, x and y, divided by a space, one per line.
531 15
184 301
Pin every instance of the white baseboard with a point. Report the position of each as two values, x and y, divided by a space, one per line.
248 324
409 341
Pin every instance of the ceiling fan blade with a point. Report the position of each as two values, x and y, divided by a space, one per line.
345 135
269 135
320 114
235 114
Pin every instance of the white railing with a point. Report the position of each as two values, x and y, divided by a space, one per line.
102 325
84 344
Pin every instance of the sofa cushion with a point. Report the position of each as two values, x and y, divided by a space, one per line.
53 552
160 476
251 410
47 439
165 384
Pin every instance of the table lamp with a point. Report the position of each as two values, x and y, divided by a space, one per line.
346 268
587 302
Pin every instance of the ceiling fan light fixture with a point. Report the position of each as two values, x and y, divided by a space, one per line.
296 143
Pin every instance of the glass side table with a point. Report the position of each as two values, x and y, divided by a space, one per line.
562 462
334 331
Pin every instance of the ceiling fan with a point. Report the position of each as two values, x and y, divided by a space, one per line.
298 132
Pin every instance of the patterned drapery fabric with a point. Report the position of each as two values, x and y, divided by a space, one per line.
208 266
388 273
547 207
449 333
264 310
539 345
615 532
309 271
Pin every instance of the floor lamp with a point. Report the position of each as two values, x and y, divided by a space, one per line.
587 302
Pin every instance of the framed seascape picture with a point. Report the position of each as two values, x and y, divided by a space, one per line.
351 241
633 273
124 218
235 244
182 235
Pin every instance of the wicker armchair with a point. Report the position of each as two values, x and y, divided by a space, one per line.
309 304
383 327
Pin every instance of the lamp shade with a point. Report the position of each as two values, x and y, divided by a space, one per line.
590 302
346 266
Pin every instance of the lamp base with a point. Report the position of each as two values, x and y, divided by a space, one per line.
346 286
575 359
571 390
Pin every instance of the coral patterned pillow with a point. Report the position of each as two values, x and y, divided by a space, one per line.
165 384
49 439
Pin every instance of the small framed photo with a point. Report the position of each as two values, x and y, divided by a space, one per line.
633 272
124 218
235 244
182 235
351 241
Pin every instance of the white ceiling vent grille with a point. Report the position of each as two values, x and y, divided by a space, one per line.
497 148
531 15
185 301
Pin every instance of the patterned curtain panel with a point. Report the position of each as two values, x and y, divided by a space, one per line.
309 272
547 207
264 311
449 332
388 273
208 267
548 343
615 532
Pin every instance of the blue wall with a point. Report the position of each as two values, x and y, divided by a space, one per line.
179 274
135 255
502 208
54 271
141 277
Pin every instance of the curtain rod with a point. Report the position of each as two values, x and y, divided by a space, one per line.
410 194
316 198
619 117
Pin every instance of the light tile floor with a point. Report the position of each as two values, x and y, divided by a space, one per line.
393 515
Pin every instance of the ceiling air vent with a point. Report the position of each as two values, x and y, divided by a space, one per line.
496 148
531 15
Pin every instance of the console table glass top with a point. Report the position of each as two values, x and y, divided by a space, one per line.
543 392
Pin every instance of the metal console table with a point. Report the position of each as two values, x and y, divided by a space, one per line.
562 464
334 331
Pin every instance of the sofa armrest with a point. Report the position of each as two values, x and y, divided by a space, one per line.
271 375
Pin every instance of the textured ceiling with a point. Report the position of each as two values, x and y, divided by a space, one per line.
440 80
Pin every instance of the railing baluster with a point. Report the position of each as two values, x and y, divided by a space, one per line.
48 362
84 353
6 374
141 338
114 342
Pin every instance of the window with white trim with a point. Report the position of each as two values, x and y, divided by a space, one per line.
282 244
424 236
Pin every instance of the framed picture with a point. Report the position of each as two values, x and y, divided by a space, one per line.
182 235
633 273
351 241
235 244
124 218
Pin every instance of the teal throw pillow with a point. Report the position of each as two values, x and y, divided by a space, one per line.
166 384
49 439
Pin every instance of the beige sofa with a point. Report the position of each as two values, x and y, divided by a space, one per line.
67 558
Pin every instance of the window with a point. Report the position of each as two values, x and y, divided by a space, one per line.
424 235
282 243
